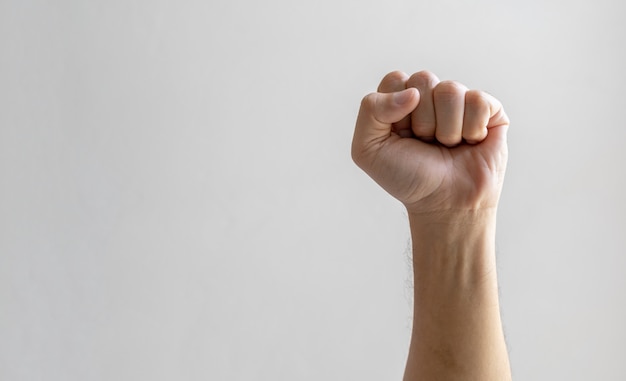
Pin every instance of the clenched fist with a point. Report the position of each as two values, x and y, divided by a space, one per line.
436 146
441 149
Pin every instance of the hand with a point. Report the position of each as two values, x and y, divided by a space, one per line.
436 146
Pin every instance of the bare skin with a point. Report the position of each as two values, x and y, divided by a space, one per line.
441 150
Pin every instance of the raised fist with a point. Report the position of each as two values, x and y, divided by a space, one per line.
436 146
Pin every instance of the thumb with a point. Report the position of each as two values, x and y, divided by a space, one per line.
378 112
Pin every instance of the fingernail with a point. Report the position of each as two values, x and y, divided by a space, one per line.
403 96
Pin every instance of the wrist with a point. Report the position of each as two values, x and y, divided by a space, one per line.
453 226
453 242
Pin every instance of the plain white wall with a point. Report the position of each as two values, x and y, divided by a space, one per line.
177 200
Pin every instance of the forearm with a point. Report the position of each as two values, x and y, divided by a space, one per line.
457 332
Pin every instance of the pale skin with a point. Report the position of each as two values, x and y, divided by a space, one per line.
441 150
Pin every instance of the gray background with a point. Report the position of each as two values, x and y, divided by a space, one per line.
177 200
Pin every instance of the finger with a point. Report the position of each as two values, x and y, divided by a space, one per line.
377 113
449 102
497 125
391 83
423 120
476 117
497 116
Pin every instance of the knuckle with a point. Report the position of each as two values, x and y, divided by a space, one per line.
475 98
448 90
448 140
393 81
473 135
422 80
424 127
